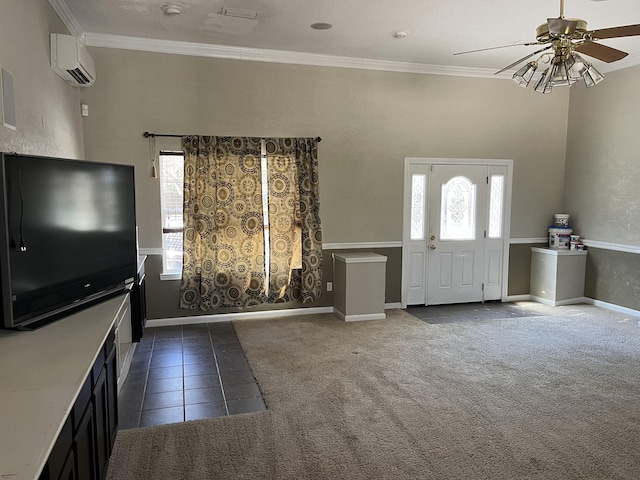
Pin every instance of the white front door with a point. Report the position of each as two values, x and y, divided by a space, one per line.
455 243
457 199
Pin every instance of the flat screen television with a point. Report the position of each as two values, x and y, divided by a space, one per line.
67 236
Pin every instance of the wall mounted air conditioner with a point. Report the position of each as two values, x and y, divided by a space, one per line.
71 61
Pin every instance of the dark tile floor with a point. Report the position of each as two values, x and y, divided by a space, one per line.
465 312
187 372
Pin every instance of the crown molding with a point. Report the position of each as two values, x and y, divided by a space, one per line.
67 18
278 56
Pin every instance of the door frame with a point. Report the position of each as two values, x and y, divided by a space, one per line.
424 164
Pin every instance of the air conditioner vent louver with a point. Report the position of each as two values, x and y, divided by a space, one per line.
79 76
71 61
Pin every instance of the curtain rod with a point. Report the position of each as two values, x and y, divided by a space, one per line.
149 134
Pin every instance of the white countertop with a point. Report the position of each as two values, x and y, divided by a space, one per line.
558 251
41 373
359 257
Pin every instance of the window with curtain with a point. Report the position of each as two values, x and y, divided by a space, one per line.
252 231
171 203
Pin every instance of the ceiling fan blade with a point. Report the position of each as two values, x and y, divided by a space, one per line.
495 48
561 26
615 32
601 52
523 59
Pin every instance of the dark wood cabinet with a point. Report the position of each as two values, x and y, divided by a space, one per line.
102 429
58 458
138 305
111 366
69 468
84 445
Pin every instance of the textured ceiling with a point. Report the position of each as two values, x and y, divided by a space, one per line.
362 29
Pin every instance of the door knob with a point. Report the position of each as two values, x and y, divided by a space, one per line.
432 247
433 237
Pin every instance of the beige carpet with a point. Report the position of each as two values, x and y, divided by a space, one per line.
547 397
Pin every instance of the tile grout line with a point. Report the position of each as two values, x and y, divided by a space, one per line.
184 393
215 358
177 339
146 380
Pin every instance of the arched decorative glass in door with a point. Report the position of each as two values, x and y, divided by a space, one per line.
458 210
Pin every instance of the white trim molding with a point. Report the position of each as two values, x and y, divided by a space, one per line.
613 306
171 276
226 317
267 314
150 251
360 245
519 298
280 56
326 246
362 317
553 303
527 241
618 247
290 57
587 300
67 18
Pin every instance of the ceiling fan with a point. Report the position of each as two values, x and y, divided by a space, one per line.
565 39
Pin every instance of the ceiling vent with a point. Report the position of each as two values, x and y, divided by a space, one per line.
240 13
71 61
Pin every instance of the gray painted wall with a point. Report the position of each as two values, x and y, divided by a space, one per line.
369 122
613 277
603 159
48 117
601 187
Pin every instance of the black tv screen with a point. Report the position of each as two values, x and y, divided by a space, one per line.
68 236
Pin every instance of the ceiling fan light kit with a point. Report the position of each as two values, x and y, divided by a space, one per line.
542 86
563 38
592 76
523 76
562 72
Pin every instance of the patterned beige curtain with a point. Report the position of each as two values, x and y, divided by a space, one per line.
295 235
224 233
223 262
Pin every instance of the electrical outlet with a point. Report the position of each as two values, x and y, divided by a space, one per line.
329 286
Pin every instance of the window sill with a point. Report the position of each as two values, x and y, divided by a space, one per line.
171 276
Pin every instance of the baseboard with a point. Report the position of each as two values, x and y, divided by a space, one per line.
519 298
361 317
587 300
612 306
227 317
553 303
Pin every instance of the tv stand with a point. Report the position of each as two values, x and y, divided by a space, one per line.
59 394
